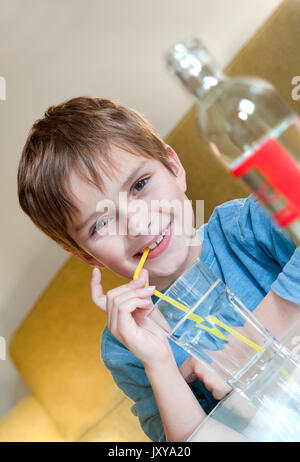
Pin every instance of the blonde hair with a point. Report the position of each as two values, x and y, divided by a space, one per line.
76 135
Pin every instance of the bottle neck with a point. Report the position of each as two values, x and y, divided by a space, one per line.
194 67
199 86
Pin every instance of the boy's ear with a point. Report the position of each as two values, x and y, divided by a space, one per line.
88 259
177 167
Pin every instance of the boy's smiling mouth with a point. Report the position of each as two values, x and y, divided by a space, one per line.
156 245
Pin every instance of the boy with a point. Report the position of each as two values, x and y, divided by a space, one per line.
76 163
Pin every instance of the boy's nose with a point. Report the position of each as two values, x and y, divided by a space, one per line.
138 219
138 227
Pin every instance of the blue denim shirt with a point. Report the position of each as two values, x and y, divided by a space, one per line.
251 255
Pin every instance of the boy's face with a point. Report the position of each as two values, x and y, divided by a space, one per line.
136 213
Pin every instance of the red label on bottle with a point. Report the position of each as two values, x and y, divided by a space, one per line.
281 179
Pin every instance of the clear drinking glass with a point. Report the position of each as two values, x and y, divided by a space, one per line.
213 325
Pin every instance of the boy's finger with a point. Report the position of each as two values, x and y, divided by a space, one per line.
186 369
126 307
191 369
125 297
98 296
125 289
145 275
124 318
142 279
137 294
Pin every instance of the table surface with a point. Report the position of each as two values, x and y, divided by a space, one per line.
234 419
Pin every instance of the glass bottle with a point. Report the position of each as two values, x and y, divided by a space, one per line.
249 127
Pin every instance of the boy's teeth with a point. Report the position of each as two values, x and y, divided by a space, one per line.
155 244
158 241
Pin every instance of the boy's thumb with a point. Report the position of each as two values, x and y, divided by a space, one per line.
145 276
98 297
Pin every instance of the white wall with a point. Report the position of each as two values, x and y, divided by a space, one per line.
52 50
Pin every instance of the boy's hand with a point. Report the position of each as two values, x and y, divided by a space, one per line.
192 369
126 308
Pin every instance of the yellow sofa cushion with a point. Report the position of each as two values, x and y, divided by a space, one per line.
57 351
28 421
119 425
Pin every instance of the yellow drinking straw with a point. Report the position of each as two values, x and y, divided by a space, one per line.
180 306
194 317
141 263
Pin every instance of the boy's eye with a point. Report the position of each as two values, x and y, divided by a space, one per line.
139 185
98 226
